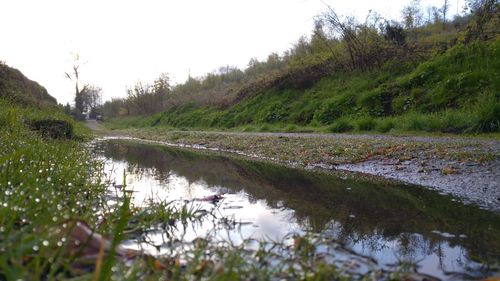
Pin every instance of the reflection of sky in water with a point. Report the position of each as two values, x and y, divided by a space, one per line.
255 218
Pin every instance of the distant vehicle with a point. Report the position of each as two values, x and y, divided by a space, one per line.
98 118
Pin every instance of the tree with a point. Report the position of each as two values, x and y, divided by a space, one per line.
162 91
444 11
67 109
394 33
92 100
412 14
347 32
74 75
433 14
485 17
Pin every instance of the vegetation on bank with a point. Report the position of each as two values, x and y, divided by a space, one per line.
44 182
16 87
375 76
456 92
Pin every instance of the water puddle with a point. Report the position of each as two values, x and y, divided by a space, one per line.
374 224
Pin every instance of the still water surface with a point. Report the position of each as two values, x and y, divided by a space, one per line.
391 223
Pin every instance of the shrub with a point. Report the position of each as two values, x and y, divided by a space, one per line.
376 102
290 128
413 122
488 114
56 129
265 128
384 125
275 112
334 108
340 126
365 124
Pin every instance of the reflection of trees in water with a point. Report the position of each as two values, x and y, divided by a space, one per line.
142 172
381 212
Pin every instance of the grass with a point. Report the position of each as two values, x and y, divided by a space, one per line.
455 92
36 173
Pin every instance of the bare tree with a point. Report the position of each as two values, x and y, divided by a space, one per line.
484 15
444 11
347 32
74 75
412 14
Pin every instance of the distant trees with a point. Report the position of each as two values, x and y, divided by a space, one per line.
142 98
146 98
115 108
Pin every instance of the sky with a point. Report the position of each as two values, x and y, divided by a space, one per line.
122 42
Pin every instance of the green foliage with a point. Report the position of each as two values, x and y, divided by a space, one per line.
384 125
35 174
334 108
341 126
488 114
436 89
365 123
16 87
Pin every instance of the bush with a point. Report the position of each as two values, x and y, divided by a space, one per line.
340 126
365 124
334 108
488 114
304 113
265 128
377 102
384 125
275 112
56 129
290 128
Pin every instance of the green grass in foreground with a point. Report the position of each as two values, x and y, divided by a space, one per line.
44 183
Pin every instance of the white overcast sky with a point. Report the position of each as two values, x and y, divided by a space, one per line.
122 42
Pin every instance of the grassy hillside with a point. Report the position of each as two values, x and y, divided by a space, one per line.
16 87
456 91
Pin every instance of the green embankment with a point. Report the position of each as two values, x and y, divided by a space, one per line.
454 92
16 87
